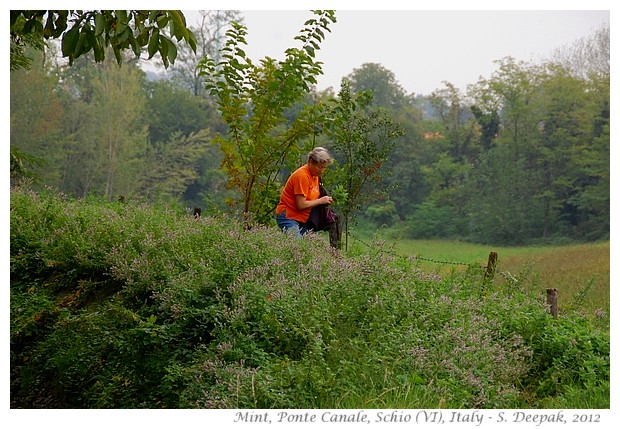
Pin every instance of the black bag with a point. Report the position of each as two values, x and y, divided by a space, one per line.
321 217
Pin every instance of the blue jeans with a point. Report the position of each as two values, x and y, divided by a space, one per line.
291 226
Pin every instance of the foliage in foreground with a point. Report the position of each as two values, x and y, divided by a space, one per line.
136 306
95 30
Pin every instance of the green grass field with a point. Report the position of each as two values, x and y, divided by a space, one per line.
580 272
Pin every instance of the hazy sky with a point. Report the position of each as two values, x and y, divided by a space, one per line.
422 48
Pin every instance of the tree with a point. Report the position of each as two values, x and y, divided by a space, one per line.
566 127
453 112
174 109
93 30
103 156
588 56
587 208
489 126
500 189
511 91
36 115
386 90
253 100
362 138
500 208
209 190
406 184
173 166
210 35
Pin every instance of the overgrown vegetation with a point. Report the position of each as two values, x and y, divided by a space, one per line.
128 305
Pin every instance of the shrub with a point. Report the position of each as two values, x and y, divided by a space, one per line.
429 220
146 307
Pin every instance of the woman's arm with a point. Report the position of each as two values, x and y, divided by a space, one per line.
302 203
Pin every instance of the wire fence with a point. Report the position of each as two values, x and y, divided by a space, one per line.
393 253
488 271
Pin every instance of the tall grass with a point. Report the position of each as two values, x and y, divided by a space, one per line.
137 306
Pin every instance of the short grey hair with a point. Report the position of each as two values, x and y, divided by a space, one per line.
320 155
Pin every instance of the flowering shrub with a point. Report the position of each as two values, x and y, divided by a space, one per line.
130 305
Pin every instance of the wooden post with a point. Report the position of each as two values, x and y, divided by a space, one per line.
552 301
491 264
335 234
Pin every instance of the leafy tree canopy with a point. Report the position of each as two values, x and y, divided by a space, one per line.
82 31
387 92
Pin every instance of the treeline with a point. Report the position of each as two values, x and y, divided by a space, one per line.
519 157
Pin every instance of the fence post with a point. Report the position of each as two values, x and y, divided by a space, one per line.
552 301
491 265
335 234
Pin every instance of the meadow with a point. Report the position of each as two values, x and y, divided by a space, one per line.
129 305
580 272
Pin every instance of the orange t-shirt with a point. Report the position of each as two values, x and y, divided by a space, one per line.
301 182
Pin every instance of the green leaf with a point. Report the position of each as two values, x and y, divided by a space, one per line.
121 21
179 24
70 40
162 21
117 54
163 50
93 41
122 37
99 24
191 39
80 46
33 26
173 28
135 45
153 43
143 37
235 63
172 50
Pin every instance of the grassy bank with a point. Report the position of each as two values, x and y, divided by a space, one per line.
138 306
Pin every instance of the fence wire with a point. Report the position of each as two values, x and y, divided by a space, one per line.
505 274
391 252
488 271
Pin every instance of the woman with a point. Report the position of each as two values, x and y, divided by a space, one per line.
301 193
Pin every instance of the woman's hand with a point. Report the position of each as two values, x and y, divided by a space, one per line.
326 199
